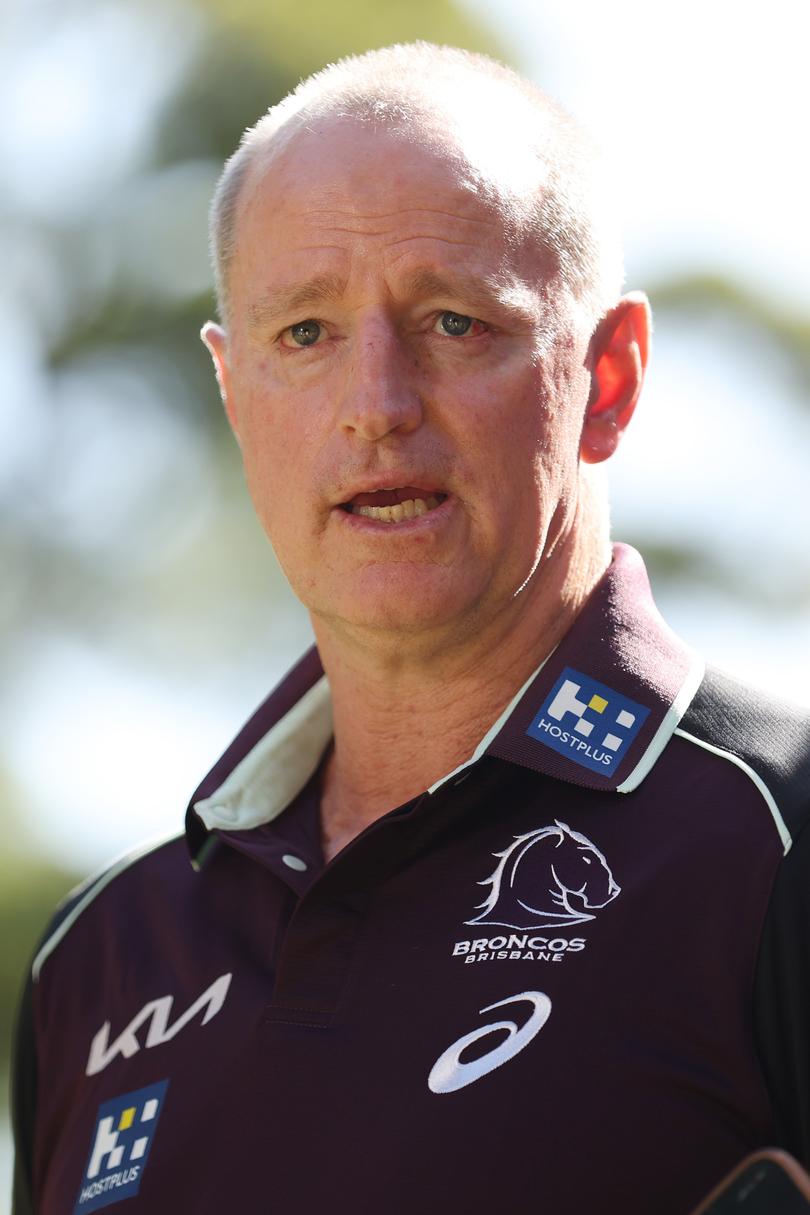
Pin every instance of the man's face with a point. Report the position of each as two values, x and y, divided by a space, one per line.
384 349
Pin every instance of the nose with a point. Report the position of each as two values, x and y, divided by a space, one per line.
380 395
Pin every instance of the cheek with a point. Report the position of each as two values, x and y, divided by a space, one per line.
512 429
552 425
280 455
524 432
266 429
268 473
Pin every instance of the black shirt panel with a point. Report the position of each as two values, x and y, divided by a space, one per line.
773 738
782 998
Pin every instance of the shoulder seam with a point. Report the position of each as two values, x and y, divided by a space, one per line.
754 777
94 887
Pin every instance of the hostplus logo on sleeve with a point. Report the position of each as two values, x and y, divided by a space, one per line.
122 1137
588 722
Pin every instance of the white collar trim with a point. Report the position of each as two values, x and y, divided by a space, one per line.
493 730
276 769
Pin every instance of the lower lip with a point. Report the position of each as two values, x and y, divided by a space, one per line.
419 523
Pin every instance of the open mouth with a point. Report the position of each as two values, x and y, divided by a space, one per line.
394 505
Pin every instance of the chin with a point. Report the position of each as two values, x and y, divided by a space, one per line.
404 605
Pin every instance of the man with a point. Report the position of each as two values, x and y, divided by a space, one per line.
492 905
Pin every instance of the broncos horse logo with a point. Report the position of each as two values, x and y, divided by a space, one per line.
547 879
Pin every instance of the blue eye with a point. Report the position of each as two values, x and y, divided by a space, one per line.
305 333
454 324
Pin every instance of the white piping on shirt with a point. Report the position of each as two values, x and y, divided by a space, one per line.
277 768
492 731
690 685
95 886
264 783
784 834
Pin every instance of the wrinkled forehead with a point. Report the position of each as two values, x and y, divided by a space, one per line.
379 161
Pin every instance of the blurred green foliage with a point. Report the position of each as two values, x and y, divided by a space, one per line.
110 293
701 294
307 37
113 294
30 889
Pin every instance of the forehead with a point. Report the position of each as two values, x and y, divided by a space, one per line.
342 188
335 153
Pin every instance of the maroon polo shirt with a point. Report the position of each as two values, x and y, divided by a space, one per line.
571 977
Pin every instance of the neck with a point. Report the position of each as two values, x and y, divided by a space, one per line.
405 716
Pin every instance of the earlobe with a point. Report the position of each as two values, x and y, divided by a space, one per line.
216 341
619 353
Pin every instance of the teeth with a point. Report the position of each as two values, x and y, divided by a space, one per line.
413 508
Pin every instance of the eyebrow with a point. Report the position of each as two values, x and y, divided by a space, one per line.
509 296
289 300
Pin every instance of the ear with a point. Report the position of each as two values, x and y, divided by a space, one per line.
619 352
216 340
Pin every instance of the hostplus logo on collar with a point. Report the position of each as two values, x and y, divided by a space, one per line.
122 1137
588 722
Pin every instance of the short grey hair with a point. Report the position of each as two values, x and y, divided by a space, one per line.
555 188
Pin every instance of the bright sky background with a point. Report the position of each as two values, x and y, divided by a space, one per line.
703 107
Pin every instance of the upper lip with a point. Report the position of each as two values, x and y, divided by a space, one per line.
396 479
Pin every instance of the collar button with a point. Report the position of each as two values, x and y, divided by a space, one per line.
294 862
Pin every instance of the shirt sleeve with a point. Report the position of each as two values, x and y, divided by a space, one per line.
25 1079
782 998
23 1104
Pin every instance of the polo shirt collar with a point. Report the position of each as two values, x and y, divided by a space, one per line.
605 703
597 713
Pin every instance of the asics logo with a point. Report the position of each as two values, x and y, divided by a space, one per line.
449 1074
